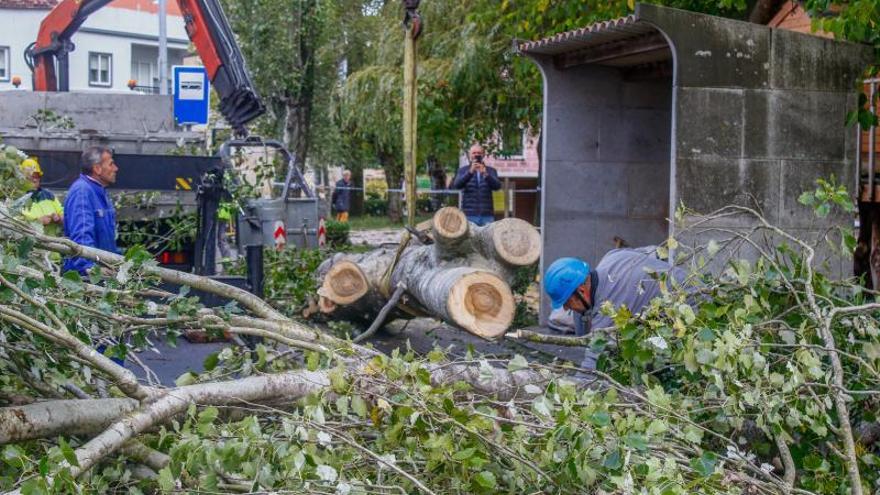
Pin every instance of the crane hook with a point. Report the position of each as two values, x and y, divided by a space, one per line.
411 18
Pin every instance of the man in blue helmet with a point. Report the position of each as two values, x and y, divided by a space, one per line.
624 276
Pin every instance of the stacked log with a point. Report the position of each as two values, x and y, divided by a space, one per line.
460 274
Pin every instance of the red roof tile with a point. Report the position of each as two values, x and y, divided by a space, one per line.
28 4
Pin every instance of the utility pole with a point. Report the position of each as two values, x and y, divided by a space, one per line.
412 25
163 48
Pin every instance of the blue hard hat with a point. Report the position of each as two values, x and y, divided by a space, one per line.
563 277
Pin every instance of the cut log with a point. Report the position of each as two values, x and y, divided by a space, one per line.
345 283
351 285
462 278
451 233
473 299
511 241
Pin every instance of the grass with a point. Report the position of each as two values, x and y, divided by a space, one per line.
375 223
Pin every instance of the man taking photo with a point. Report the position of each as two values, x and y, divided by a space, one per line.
477 181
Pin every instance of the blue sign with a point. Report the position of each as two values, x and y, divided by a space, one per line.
190 94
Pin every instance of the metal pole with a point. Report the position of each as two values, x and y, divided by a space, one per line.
858 184
163 48
410 120
507 197
871 144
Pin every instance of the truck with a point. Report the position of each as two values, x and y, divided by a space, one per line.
153 151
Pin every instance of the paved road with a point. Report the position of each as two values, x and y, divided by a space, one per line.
171 362
423 335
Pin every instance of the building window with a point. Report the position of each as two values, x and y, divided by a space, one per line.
144 73
5 68
100 69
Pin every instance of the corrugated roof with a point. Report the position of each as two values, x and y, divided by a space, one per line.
28 4
592 35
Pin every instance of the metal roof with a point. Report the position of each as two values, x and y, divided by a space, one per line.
596 34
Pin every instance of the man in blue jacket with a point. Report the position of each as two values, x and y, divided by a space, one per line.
89 216
477 181
341 198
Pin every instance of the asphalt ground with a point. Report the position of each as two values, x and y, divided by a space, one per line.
422 335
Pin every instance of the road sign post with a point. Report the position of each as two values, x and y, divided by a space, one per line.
191 90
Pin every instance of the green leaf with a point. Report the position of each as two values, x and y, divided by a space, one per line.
359 406
67 452
313 360
705 464
867 119
208 415
486 479
693 434
613 460
705 356
138 254
463 455
852 117
636 441
657 427
687 313
706 335
185 379
812 462
14 456
542 406
34 486
600 418
211 361
517 363
166 479
72 281
25 246
657 396
807 198
487 373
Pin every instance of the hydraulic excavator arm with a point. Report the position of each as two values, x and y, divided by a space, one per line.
206 26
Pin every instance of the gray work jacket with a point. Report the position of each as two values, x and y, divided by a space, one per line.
625 276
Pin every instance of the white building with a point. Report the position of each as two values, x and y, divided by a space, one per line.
116 44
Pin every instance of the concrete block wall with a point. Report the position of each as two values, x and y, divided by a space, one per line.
752 117
760 115
131 123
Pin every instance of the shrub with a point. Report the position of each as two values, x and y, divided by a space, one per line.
337 232
375 206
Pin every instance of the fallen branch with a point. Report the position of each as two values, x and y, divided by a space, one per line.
380 318
563 340
66 247
60 417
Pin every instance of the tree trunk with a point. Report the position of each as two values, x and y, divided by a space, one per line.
393 177
438 181
300 100
461 278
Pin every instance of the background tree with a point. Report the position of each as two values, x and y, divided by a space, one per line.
281 40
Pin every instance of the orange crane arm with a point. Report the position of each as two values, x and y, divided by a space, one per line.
207 27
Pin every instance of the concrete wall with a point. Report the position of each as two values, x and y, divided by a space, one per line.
760 115
131 123
606 162
109 30
755 116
